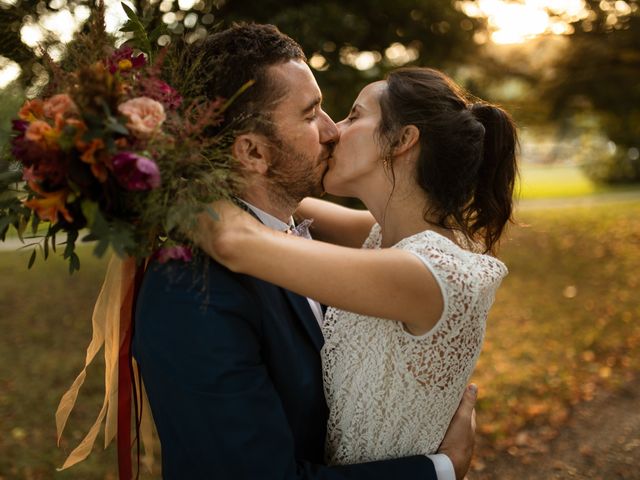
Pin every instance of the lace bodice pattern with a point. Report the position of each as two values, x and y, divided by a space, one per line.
392 394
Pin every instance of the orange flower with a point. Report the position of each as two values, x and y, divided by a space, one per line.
122 143
48 207
80 129
41 132
89 156
31 110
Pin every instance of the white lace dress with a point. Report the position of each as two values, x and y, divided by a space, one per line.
392 394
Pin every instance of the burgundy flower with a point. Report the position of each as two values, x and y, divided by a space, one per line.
19 125
49 165
162 92
135 172
163 255
124 60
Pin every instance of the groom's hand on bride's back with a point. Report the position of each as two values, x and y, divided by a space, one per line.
459 440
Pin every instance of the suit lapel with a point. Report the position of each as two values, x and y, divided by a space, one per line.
301 306
299 303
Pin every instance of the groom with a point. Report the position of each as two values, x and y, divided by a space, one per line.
233 375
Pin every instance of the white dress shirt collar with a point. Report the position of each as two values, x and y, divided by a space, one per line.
268 219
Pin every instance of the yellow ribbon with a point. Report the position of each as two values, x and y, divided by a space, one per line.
119 280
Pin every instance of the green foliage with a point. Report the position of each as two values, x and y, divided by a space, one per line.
598 74
144 39
440 34
620 167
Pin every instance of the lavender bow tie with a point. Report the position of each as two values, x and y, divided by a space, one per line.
302 229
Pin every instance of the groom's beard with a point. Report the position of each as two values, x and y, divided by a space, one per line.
294 175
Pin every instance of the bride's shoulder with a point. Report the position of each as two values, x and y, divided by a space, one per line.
458 255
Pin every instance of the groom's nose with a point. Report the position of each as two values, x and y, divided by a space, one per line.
329 133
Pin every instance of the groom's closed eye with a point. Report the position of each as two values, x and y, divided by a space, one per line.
311 109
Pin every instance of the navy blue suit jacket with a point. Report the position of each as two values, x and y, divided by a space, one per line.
231 365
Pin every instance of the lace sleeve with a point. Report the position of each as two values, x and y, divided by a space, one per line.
448 352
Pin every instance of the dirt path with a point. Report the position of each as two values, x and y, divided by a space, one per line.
600 441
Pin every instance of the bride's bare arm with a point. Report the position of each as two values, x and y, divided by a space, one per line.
334 223
386 283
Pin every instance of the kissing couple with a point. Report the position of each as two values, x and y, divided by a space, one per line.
260 380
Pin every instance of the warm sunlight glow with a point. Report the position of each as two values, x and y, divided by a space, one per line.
397 54
361 60
9 71
63 25
511 22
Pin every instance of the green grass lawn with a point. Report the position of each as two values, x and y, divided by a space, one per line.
559 181
45 319
565 324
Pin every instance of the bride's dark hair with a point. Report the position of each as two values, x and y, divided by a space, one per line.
467 164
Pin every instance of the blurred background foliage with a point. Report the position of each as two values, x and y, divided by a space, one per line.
564 326
568 70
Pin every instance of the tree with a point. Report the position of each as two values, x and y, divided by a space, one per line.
600 75
332 33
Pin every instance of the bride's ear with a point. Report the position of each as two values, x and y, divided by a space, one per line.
252 152
408 138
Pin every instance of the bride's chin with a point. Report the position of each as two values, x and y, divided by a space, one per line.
333 186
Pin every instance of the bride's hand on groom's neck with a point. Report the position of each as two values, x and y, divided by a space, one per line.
459 440
219 231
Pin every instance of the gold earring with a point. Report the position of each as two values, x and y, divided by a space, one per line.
385 163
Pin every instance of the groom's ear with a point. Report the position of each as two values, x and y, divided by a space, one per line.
251 150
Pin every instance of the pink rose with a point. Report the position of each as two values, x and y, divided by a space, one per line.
59 105
135 172
163 255
145 115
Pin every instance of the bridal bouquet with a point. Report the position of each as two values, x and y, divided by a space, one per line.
115 152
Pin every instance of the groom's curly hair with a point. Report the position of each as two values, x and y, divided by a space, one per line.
227 60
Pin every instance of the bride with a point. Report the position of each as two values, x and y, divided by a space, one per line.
411 280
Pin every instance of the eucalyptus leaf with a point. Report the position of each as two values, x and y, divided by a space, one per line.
21 227
70 246
32 259
74 263
34 224
8 220
101 247
7 178
115 126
